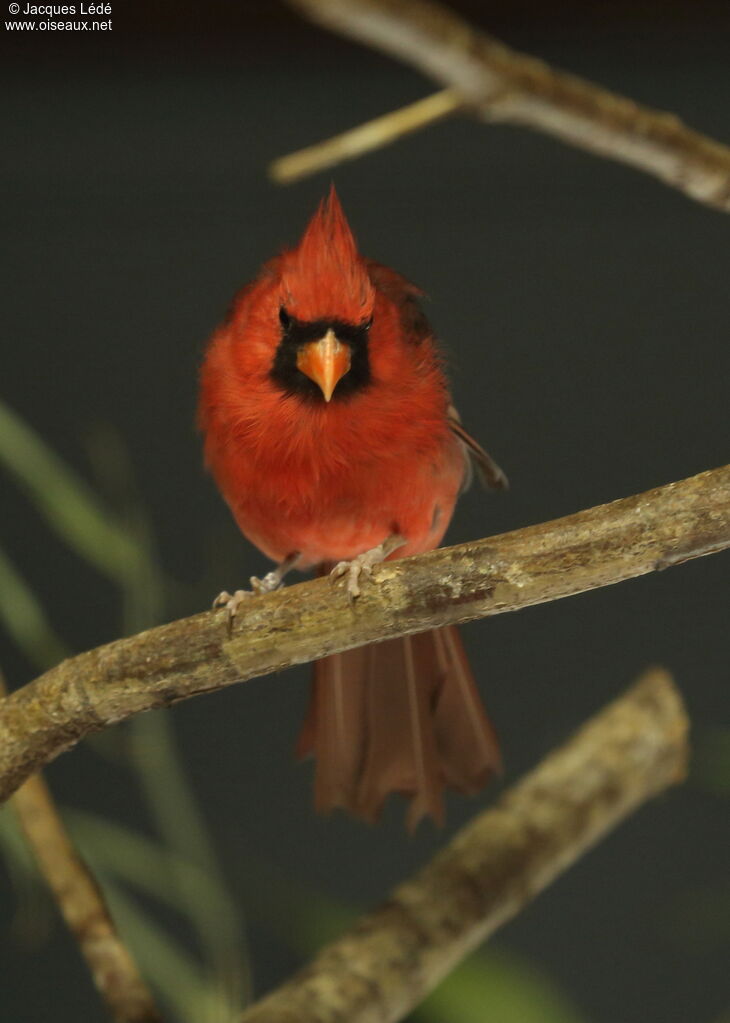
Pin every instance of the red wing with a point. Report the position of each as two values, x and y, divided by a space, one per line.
405 295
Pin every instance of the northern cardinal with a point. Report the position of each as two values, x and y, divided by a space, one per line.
330 433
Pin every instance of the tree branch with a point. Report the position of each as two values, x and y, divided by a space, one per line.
375 134
82 905
386 965
502 85
580 552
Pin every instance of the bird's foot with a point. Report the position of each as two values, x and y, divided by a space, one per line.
231 602
364 564
271 581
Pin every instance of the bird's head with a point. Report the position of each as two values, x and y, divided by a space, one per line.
325 310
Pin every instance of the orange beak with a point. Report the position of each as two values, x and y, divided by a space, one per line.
325 361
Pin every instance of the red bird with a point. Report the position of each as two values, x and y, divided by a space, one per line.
329 430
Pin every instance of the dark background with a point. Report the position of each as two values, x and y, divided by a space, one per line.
584 310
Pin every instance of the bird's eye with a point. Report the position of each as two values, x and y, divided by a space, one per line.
284 318
367 324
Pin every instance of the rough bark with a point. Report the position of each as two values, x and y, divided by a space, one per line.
580 552
82 905
502 85
386 965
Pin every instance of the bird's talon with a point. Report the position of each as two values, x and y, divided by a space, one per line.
270 582
363 564
231 602
339 570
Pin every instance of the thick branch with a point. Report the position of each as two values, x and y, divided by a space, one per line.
581 552
82 905
503 85
387 964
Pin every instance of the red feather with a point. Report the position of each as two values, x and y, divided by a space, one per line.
332 479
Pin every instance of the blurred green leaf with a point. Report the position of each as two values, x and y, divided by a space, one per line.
184 833
171 969
301 918
66 502
118 852
34 912
497 985
14 843
492 984
183 869
25 620
139 861
144 589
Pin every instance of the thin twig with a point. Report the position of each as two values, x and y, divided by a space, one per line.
386 965
195 655
372 135
502 85
82 905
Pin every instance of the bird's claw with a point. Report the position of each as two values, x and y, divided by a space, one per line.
232 602
363 564
271 581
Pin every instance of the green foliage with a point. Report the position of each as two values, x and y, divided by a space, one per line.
178 975
24 619
181 866
33 912
497 984
492 984
67 503
186 842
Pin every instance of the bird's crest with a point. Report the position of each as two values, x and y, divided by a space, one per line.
324 277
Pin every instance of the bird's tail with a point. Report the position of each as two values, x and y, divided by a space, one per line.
403 716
